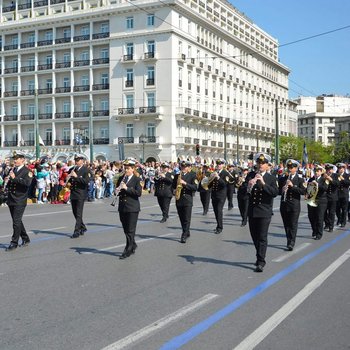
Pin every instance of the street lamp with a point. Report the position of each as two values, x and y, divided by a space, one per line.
143 139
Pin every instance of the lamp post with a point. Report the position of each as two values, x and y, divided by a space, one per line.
143 140
37 143
91 133
225 150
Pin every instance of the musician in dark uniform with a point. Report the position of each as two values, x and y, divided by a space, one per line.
204 192
79 177
18 182
332 197
343 194
291 187
316 213
185 185
130 190
231 183
262 188
163 189
218 185
243 196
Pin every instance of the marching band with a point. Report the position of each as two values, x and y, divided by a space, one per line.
325 189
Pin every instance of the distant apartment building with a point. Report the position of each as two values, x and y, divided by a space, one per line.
318 117
154 79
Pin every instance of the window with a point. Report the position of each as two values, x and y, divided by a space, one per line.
105 105
66 82
180 100
84 80
66 33
189 80
129 130
15 63
180 77
104 78
31 61
85 30
49 59
84 106
151 100
104 133
66 57
150 19
104 27
48 35
14 40
320 130
129 101
130 49
151 129
48 108
66 107
104 53
31 85
31 108
30 134
150 75
31 38
151 46
84 55
14 86
48 134
66 134
129 22
130 74
14 109
48 83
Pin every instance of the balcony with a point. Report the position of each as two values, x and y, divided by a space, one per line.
10 143
196 141
100 87
127 58
62 142
100 60
11 70
27 116
81 63
149 55
63 115
29 44
149 82
62 89
44 66
27 92
100 35
204 142
125 140
122 111
40 3
44 91
62 40
129 83
81 114
25 6
10 93
143 110
8 8
10 118
62 65
196 113
147 139
101 141
205 115
188 140
80 88
54 2
213 143
213 117
28 69
45 42
101 113
45 115
82 37
28 143
10 47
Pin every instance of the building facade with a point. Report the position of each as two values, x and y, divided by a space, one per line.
318 116
154 79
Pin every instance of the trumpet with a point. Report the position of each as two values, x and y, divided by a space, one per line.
340 177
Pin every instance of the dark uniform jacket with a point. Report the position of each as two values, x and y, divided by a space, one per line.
261 196
129 198
163 186
187 191
18 187
332 190
80 183
344 183
219 186
291 200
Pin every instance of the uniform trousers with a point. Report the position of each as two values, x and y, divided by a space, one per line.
185 213
205 200
17 223
230 191
243 204
329 215
218 206
77 208
316 217
290 223
258 230
164 204
129 222
342 209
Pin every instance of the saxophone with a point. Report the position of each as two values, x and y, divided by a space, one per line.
178 188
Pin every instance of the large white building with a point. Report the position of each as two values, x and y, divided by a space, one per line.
153 78
317 116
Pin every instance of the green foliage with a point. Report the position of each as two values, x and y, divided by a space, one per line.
342 149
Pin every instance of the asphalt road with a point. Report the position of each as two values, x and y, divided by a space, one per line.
60 293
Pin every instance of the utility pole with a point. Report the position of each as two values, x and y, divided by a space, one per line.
225 150
36 125
277 136
91 133
237 143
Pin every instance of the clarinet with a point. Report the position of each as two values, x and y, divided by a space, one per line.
116 192
285 189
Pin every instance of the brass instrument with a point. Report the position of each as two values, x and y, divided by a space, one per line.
340 178
213 176
311 193
239 182
231 179
178 188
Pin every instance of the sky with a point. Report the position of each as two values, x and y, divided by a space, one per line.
319 65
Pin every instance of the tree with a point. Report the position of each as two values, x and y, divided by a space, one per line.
342 149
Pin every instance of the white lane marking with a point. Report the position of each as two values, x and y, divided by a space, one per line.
5 236
155 326
123 245
289 254
48 229
49 213
269 325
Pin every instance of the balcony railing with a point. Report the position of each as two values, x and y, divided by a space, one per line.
62 115
11 70
10 47
62 142
152 109
100 35
188 140
128 57
8 8
28 143
62 64
27 92
62 89
100 86
188 111
45 42
204 142
62 40
81 63
149 82
149 55
26 5
129 83
81 88
81 114
100 60
10 118
45 91
101 141
27 116
29 44
82 37
147 139
10 93
101 113
196 141
44 66
53 2
205 115
126 111
45 115
27 69
125 140
40 3
10 143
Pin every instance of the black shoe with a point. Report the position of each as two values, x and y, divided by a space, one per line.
230 208
183 238
243 224
289 247
217 231
205 212
163 220
134 247
259 268
75 235
125 255
25 243
317 238
330 229
11 247
82 231
326 227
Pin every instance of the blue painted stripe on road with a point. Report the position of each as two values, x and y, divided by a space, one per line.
201 327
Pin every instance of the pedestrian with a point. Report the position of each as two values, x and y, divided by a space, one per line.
262 188
129 189
18 182
79 180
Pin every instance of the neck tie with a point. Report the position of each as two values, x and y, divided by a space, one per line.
15 170
126 179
